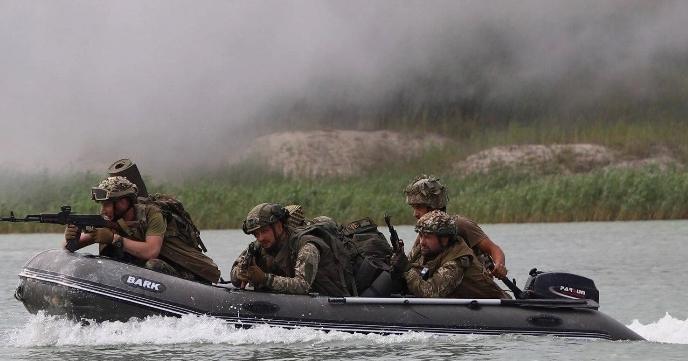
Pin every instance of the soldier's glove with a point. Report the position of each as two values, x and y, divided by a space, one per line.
71 235
400 264
102 235
255 275
70 232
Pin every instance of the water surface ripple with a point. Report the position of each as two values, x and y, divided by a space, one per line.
637 266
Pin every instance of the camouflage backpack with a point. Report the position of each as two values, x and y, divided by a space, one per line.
369 251
341 255
172 209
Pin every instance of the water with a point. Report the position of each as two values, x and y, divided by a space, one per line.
638 267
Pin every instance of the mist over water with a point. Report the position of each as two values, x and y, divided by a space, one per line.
181 84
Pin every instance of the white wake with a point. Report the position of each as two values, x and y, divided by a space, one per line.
42 330
668 329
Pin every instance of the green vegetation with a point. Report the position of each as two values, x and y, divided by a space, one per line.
221 199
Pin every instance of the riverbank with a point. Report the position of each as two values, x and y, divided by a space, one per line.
601 172
221 200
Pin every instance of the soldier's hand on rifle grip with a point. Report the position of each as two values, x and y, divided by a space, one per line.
499 270
255 274
71 237
102 235
400 263
70 232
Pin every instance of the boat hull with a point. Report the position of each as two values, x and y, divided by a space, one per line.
85 287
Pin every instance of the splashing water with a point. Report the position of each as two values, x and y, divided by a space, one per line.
667 330
42 330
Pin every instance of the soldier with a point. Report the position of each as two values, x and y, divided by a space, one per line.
445 266
294 261
143 236
426 193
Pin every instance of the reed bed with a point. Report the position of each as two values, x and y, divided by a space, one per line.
222 201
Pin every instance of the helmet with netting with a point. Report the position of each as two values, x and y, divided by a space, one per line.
436 222
262 215
114 188
296 216
427 191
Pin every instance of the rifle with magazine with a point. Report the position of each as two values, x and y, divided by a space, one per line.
252 252
393 235
83 222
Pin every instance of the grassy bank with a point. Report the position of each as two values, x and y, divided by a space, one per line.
222 200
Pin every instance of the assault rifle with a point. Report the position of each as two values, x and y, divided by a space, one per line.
509 283
393 235
83 222
252 252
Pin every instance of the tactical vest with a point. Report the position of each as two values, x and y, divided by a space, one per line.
476 282
331 278
178 248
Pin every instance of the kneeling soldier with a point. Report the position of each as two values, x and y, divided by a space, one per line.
445 267
143 236
289 260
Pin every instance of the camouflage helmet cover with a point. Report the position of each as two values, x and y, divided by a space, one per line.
262 215
436 222
427 191
296 216
113 188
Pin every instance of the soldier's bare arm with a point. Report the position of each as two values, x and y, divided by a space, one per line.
441 284
476 237
491 248
304 273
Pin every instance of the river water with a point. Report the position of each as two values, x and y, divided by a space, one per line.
637 266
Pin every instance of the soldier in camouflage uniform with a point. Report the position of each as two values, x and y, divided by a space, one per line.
143 236
445 266
289 260
426 193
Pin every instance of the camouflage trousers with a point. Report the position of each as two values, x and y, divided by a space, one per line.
161 266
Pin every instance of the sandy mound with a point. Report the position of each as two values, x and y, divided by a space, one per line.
336 152
556 158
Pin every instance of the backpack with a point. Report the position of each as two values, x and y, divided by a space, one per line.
172 209
369 251
331 237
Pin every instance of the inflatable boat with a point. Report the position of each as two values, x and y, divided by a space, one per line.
86 287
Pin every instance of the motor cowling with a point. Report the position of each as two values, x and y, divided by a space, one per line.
549 285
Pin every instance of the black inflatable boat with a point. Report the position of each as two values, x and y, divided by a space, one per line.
86 287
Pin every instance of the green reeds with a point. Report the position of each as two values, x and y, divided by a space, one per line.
500 196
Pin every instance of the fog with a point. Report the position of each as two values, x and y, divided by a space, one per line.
185 84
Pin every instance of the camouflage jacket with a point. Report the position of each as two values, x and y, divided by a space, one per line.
304 264
468 231
452 274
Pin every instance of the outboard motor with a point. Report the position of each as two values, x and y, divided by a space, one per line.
550 285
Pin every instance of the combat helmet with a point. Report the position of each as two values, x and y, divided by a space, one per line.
427 191
437 222
114 188
262 215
